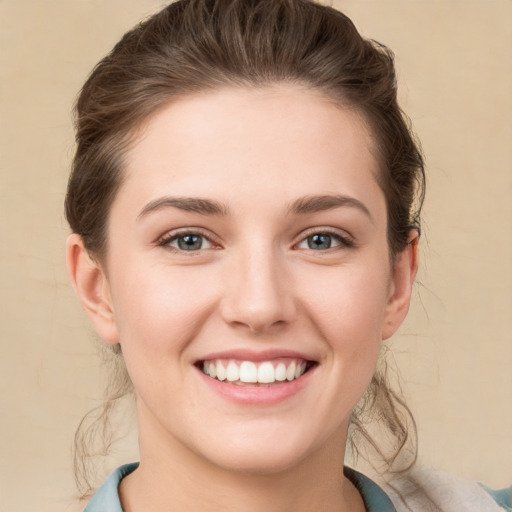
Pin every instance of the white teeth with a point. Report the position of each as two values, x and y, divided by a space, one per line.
221 371
290 371
280 373
300 370
248 372
232 372
266 373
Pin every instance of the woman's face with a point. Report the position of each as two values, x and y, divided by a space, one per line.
248 241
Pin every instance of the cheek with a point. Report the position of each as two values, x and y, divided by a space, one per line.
349 303
348 309
158 309
159 314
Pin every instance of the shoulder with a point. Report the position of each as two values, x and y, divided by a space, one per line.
437 491
421 489
374 497
503 497
106 498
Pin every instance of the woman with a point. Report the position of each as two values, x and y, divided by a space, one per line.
245 203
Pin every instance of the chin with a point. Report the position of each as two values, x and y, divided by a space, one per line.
266 454
259 461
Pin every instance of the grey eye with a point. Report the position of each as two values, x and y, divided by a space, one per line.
188 242
319 241
323 241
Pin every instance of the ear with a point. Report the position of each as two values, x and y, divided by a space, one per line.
404 273
91 285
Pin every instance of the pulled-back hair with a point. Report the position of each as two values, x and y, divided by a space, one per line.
197 45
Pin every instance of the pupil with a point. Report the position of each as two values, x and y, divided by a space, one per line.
319 241
190 242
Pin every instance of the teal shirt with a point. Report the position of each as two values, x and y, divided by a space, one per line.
106 498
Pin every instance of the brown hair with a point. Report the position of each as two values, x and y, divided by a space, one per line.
195 45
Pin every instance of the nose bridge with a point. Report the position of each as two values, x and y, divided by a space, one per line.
259 295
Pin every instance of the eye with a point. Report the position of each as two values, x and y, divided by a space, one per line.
188 241
322 241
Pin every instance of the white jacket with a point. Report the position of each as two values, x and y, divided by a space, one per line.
427 490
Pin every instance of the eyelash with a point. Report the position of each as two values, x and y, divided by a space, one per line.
344 241
168 238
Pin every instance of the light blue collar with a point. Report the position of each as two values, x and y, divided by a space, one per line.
106 498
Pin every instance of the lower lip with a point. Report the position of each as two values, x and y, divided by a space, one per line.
257 395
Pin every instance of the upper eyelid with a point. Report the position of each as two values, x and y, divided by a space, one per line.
345 240
174 234
341 233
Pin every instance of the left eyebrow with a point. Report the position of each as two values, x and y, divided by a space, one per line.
314 204
188 204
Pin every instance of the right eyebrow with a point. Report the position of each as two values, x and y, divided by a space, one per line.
188 204
313 204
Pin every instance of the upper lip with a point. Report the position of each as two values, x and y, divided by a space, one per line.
256 356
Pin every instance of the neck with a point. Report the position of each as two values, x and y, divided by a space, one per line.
171 476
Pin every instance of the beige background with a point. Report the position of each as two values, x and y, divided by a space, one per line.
455 351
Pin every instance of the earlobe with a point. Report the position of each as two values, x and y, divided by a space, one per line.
92 288
404 273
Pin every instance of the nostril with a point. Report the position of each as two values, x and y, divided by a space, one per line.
258 301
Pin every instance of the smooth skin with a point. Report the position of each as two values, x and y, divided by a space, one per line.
289 253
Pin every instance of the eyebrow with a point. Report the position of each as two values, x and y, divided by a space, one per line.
302 206
315 204
188 204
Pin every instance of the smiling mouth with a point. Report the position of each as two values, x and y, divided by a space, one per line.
249 373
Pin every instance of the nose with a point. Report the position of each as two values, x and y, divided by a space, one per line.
258 293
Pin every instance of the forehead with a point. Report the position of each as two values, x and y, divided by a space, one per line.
235 142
